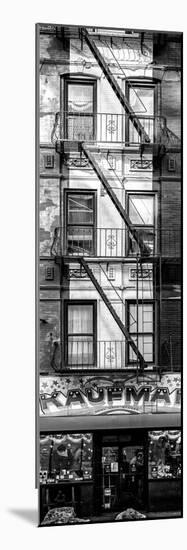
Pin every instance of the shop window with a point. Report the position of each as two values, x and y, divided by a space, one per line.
45 450
80 333
141 328
66 457
80 109
80 223
141 208
164 454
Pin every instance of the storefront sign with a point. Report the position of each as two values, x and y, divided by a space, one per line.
64 396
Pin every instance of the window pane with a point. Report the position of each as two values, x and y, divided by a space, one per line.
145 318
80 350
80 98
80 240
80 128
146 239
80 319
141 209
164 455
145 346
80 209
142 100
110 456
72 456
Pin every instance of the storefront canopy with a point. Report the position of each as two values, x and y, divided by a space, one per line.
110 422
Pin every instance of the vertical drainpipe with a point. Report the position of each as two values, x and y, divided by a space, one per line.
137 290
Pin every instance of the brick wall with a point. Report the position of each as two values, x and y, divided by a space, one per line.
171 217
170 333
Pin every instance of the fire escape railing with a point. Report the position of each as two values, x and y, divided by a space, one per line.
106 128
80 354
114 242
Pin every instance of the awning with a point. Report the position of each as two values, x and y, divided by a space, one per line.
110 422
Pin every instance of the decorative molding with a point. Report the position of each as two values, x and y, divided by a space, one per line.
49 273
76 162
141 164
77 273
111 242
111 126
49 161
143 273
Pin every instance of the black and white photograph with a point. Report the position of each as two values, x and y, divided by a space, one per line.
109 203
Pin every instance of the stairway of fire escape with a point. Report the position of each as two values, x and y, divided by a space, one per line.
96 160
115 86
108 179
106 297
168 137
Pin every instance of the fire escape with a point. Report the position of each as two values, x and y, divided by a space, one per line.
149 135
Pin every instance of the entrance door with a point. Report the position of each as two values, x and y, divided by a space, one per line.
123 475
110 478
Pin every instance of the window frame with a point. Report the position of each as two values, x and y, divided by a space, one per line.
142 83
141 227
66 334
79 81
71 191
130 362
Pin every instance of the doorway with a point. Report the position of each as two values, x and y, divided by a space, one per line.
122 473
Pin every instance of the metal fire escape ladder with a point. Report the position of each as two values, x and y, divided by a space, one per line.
115 86
114 198
114 314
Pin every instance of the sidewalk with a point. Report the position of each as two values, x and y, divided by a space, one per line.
110 517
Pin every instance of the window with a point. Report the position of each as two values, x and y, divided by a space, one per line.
80 333
66 457
142 331
80 223
80 108
141 97
164 454
141 208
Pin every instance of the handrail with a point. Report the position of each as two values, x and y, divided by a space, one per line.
112 242
105 127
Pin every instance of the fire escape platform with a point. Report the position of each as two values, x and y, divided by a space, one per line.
114 259
69 146
64 146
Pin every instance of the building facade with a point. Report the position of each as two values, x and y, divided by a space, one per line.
110 271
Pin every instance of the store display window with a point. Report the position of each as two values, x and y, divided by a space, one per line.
65 457
164 458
